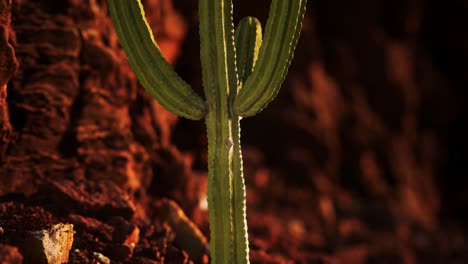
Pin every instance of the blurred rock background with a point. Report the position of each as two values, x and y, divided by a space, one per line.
360 159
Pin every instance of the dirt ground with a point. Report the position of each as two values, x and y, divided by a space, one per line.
361 158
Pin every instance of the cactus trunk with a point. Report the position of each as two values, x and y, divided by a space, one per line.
219 186
226 193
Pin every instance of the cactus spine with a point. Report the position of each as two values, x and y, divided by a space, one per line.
240 77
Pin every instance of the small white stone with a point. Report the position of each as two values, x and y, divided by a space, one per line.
100 258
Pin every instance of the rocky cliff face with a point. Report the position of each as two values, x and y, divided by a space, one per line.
361 159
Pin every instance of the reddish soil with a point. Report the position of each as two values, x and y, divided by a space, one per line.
361 159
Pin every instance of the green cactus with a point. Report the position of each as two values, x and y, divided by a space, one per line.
240 77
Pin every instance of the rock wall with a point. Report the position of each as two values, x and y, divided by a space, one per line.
360 158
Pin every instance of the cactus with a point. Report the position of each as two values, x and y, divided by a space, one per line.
241 75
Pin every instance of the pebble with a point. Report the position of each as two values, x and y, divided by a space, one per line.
100 258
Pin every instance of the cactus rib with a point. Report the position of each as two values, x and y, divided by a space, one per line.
154 72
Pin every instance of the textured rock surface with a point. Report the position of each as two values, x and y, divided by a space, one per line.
95 198
8 66
362 157
50 246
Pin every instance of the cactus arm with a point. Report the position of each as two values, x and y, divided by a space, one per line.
280 39
220 84
248 41
154 72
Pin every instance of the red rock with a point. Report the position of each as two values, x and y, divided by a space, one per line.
174 255
187 235
261 257
8 66
90 228
101 199
49 246
141 260
124 232
10 255
119 252
17 216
